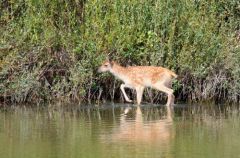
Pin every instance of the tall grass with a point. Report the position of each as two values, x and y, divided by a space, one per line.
50 50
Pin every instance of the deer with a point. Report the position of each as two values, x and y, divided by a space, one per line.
140 77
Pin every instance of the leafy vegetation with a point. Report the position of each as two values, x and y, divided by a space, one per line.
50 50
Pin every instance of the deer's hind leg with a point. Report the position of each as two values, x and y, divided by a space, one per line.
165 86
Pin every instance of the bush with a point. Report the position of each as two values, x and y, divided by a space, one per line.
50 50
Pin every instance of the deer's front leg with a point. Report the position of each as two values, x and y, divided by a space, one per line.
139 94
124 93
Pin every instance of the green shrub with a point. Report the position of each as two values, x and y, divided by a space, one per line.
50 50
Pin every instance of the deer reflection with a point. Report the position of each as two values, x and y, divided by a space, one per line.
144 127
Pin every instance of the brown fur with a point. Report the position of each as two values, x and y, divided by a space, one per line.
139 77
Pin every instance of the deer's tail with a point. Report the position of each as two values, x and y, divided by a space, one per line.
173 74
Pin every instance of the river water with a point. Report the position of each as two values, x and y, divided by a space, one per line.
120 130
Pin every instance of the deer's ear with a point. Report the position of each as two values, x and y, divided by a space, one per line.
111 63
109 60
109 57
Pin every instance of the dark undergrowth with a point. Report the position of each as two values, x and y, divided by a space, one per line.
50 50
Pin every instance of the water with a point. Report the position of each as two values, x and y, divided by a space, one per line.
120 131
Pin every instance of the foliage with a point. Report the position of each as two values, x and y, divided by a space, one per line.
50 50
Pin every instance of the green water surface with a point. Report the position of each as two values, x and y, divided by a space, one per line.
120 130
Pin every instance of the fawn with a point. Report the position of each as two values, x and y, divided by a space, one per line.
139 77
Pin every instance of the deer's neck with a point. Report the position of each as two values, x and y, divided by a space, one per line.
119 71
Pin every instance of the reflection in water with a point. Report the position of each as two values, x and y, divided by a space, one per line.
117 131
142 128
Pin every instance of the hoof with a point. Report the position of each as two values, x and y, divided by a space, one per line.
130 101
169 105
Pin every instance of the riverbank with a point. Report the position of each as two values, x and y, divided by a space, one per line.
50 51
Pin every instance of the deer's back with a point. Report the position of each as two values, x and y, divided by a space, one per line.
146 75
145 71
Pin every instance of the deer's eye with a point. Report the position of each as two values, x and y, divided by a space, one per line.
106 65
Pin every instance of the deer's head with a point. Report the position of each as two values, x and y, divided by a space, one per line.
106 66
